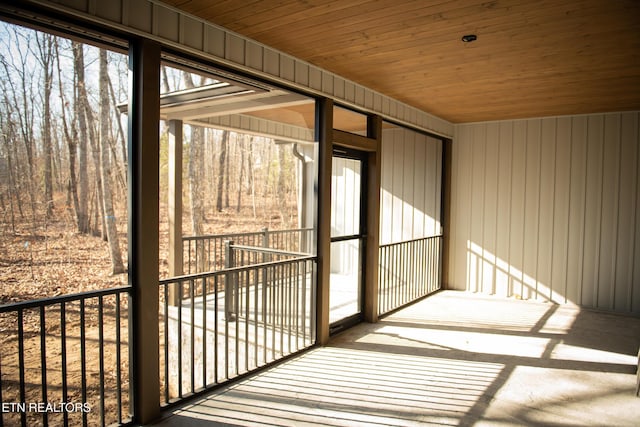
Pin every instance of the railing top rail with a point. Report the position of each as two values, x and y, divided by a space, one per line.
44 302
206 275
244 234
411 241
289 230
269 250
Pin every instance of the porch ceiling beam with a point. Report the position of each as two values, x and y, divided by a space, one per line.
355 141
232 105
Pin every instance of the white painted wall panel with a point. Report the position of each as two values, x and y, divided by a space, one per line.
516 231
410 186
548 209
561 201
490 211
626 212
577 206
503 208
461 181
254 57
167 23
191 32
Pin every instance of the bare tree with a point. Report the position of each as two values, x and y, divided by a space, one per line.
83 174
241 147
221 175
196 166
70 137
105 168
226 172
251 190
21 96
44 55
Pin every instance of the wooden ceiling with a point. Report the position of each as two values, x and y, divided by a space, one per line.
530 59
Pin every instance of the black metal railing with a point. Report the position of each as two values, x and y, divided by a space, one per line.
408 271
206 341
65 360
206 253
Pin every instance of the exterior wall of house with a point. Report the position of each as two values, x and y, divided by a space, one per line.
547 209
410 195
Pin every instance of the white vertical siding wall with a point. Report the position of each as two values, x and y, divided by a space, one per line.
410 186
547 209
345 213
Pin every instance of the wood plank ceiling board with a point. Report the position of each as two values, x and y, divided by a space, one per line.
531 59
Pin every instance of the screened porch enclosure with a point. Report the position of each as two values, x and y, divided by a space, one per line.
224 190
237 177
235 300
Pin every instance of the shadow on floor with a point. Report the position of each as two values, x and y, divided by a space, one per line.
451 359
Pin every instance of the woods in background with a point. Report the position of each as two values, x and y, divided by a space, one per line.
63 155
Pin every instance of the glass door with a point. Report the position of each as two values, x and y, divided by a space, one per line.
348 232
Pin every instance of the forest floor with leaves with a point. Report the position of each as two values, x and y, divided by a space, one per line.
51 260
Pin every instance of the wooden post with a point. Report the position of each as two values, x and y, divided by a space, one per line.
445 211
175 208
324 124
144 218
374 131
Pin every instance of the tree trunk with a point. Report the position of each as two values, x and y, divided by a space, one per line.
241 176
221 174
121 171
70 137
105 169
196 199
12 191
45 47
83 175
24 112
196 167
226 173
100 225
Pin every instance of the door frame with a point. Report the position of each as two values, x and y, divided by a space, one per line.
342 152
371 144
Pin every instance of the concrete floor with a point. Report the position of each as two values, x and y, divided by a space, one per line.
452 359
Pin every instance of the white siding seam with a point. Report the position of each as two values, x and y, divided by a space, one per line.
495 228
614 256
509 262
584 211
568 234
537 268
524 219
636 217
553 203
599 234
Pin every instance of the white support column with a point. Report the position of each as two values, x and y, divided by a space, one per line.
175 206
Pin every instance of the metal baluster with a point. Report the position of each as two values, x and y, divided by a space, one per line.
192 334
215 328
118 360
101 356
204 332
43 362
179 346
166 340
83 358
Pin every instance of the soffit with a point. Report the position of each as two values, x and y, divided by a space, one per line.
531 59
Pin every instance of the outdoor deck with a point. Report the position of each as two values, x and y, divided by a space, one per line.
451 359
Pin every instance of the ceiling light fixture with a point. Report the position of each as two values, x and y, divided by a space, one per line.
469 38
